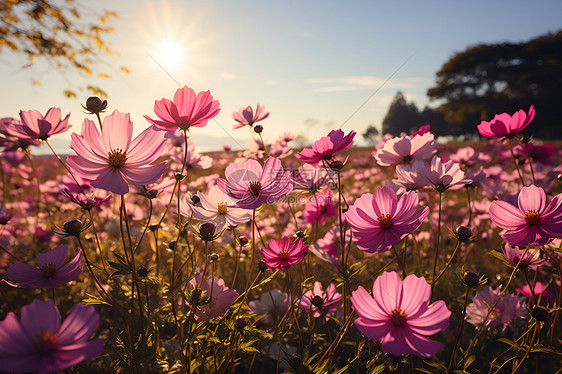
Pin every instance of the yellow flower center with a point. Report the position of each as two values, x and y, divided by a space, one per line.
49 269
283 255
117 158
385 222
46 341
532 217
222 208
398 317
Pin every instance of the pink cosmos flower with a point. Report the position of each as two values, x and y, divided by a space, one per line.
525 259
111 159
509 309
540 153
422 130
409 178
282 254
217 207
443 175
271 306
400 316
545 297
38 341
313 178
506 126
247 117
217 295
318 302
320 207
381 219
187 110
326 147
33 125
252 186
534 221
52 271
404 150
12 137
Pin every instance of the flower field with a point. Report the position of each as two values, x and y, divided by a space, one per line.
142 255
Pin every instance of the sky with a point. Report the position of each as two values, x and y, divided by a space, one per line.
315 65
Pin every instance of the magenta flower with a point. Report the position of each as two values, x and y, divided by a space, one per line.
400 316
282 254
525 258
320 207
217 295
535 221
52 271
506 126
381 219
187 110
33 125
509 309
247 117
545 297
443 175
252 186
38 341
326 147
404 150
217 207
12 137
111 159
320 303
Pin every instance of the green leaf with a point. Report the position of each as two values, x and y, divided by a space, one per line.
95 300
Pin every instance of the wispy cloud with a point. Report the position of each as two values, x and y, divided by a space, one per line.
363 82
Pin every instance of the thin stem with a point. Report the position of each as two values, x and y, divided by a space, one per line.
460 330
532 171
448 263
67 169
515 163
437 237
467 188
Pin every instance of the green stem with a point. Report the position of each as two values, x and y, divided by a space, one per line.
437 237
460 330
448 263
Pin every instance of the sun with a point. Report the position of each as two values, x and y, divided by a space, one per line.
170 54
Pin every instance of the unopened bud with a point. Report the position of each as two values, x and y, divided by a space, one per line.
214 257
463 234
243 241
195 199
240 324
262 266
207 231
317 301
337 165
258 129
142 271
540 313
73 227
471 279
95 105
172 244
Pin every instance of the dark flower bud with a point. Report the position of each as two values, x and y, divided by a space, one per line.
172 244
337 165
195 199
262 266
153 228
73 227
317 301
214 257
300 234
258 129
95 105
179 176
240 324
207 231
142 271
463 234
559 177
243 241
195 295
471 279
151 194
295 361
539 313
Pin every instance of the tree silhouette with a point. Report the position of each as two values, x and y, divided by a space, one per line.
401 116
63 33
487 79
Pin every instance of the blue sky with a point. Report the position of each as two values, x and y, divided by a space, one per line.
313 64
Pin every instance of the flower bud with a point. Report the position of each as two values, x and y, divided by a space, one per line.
214 257
240 324
195 199
179 176
295 361
262 266
539 313
142 271
172 245
196 295
300 234
471 279
463 234
337 165
95 105
258 129
317 301
243 241
207 231
559 177
73 227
